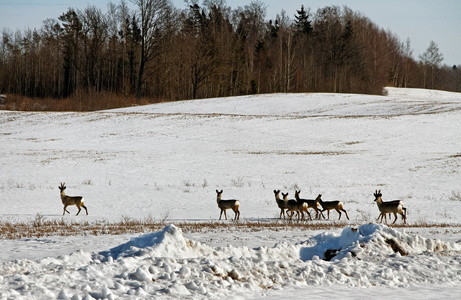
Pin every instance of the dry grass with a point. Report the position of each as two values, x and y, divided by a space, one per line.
41 227
80 101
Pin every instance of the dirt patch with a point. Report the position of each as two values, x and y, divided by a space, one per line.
284 152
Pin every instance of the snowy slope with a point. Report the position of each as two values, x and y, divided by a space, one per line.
166 161
151 161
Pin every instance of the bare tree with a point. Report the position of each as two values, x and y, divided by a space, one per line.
94 39
431 59
251 29
153 17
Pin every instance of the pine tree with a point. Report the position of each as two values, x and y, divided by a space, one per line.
302 22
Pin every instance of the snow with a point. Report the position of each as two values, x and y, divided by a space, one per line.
165 161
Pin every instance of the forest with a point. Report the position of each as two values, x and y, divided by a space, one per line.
151 51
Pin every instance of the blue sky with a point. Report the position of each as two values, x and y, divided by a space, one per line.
420 20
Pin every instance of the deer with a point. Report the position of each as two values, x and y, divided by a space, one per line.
71 200
228 204
310 204
329 205
395 207
294 206
280 203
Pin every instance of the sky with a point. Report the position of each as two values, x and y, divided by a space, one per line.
422 21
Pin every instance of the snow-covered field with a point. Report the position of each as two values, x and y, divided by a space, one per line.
165 161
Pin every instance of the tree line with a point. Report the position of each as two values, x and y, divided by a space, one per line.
209 49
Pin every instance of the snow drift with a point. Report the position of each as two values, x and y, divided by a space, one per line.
165 264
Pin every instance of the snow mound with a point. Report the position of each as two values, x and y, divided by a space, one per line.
165 265
371 242
166 243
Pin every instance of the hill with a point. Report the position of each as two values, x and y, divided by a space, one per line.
165 162
167 159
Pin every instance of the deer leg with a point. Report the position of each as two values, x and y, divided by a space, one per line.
321 215
85 209
338 213
395 215
236 214
79 209
65 210
220 215
346 214
225 214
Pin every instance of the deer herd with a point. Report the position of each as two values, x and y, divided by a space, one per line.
288 207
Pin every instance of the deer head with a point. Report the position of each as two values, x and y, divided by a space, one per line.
62 187
377 194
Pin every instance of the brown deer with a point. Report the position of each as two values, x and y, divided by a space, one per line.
294 206
280 203
395 207
314 204
329 205
68 200
228 204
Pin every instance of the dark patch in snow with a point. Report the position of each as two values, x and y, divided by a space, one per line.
396 247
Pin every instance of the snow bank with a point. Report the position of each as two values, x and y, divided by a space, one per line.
371 241
165 264
166 243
